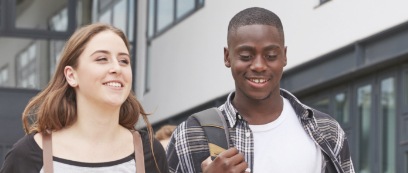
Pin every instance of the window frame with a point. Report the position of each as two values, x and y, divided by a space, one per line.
379 117
8 24
198 4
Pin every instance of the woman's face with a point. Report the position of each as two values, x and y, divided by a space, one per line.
104 74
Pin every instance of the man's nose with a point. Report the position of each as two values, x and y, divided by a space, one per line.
258 64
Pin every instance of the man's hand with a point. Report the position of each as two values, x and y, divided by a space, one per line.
229 161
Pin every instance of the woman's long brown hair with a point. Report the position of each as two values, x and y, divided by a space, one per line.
55 107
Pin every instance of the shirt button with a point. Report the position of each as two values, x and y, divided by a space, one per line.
247 134
239 117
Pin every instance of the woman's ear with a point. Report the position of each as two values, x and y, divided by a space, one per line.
285 57
226 58
69 73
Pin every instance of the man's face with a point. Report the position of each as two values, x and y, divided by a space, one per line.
256 56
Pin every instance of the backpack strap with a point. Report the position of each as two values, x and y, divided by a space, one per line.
215 129
139 155
47 152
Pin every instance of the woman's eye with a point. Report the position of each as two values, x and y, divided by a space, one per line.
102 59
124 61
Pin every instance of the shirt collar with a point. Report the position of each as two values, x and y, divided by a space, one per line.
302 110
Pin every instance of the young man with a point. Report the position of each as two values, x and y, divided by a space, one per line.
270 129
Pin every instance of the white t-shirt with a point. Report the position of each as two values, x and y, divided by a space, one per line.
283 146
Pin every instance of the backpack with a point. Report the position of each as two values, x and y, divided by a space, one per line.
215 129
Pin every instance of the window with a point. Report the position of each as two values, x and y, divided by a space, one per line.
4 75
405 87
58 22
322 105
341 108
150 19
406 162
1 15
148 72
28 16
364 113
184 7
388 117
163 14
26 66
119 13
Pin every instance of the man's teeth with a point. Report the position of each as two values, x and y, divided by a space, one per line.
114 84
258 80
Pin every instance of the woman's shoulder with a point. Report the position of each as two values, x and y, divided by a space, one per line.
24 156
25 145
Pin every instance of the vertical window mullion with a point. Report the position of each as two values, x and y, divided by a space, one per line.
155 21
174 12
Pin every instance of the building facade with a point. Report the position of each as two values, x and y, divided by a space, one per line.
346 58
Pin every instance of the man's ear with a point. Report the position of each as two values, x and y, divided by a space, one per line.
227 61
70 76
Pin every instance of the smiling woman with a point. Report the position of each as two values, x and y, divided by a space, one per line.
89 103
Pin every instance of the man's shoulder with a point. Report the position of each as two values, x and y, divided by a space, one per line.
188 126
324 119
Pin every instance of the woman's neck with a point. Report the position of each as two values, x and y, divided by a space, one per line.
96 121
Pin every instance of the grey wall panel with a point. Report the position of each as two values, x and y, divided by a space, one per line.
394 45
12 104
320 71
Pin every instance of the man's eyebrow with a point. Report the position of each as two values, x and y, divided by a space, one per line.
270 47
245 47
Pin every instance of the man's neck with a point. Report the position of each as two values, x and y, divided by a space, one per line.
257 112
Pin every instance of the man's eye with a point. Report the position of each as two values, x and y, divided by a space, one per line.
245 57
270 57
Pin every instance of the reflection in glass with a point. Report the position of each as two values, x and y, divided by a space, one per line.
150 28
27 72
59 22
131 16
364 104
55 52
165 16
120 15
32 14
388 115
1 13
184 6
27 61
405 88
341 108
105 17
322 105
147 69
4 75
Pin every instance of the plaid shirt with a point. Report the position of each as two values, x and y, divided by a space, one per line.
188 146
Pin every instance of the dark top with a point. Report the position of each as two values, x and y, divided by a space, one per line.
26 157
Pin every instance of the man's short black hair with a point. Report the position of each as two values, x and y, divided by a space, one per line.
255 16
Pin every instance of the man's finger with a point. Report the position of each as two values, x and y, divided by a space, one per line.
205 163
